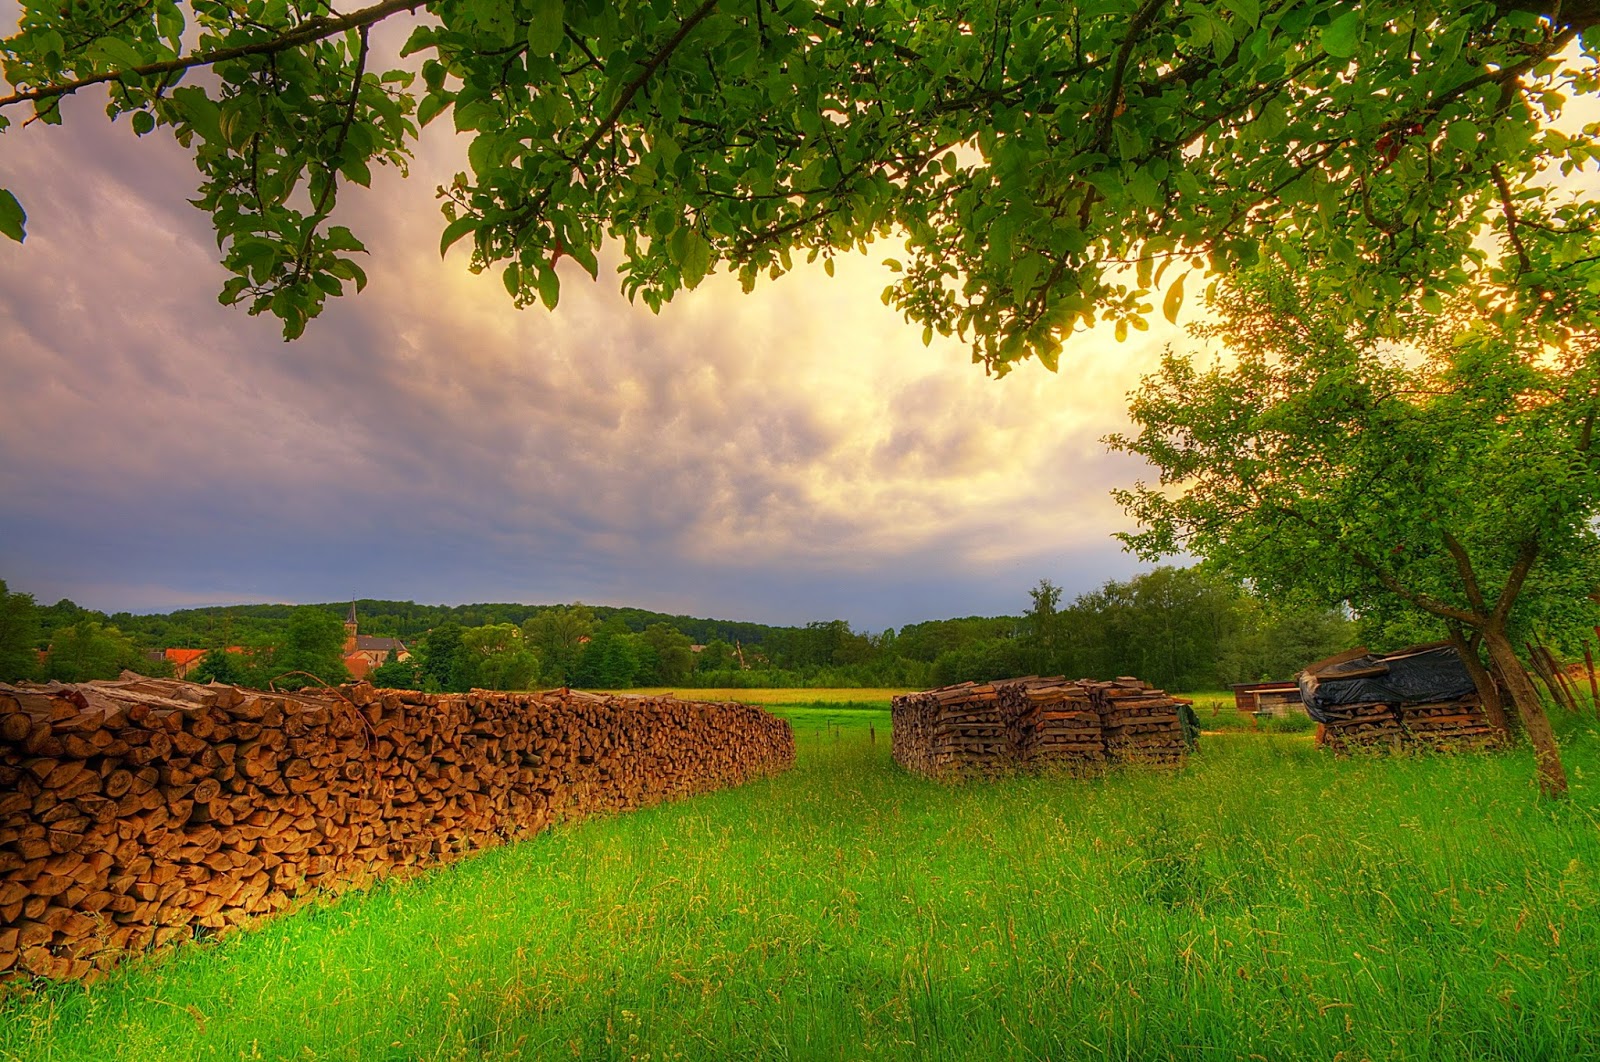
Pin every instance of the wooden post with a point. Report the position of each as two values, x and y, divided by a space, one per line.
872 731
1541 667
1594 686
1568 690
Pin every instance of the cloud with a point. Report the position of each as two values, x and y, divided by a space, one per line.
787 455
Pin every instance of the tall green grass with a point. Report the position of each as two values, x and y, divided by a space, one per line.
1268 901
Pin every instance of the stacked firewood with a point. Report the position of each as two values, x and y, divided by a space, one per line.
1140 722
1388 727
142 812
1450 724
1059 724
962 729
1035 723
1362 726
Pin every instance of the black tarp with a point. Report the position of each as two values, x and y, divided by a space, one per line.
1425 674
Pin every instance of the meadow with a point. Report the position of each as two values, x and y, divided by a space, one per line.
1268 901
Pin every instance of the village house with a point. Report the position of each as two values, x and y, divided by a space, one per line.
363 652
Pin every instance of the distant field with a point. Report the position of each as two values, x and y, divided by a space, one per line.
1268 901
777 696
815 710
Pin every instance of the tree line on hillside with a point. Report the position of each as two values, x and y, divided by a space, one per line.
199 628
1185 628
1179 628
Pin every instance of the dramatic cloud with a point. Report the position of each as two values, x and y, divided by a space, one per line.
789 455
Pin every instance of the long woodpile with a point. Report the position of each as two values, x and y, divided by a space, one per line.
138 813
1460 723
1035 724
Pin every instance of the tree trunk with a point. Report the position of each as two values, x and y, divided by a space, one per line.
1530 709
1488 692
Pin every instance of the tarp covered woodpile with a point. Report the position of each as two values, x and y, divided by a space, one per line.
138 813
1421 697
1036 723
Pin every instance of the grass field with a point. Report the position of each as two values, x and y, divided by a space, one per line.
1266 902
830 695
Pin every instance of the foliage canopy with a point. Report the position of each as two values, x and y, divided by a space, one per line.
1457 476
1045 162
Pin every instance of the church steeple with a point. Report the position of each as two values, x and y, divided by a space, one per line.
350 621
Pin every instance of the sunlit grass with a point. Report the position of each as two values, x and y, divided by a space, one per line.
776 696
1268 901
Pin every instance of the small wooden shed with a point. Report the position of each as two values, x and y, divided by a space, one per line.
1266 698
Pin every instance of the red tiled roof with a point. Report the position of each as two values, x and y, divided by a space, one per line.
184 657
357 665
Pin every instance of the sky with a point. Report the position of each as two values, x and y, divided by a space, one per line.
790 455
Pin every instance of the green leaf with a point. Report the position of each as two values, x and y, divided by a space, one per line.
430 107
1341 36
549 287
13 219
512 278
1174 300
1462 135
1249 10
356 170
455 230
116 53
143 122
200 111
696 259
545 27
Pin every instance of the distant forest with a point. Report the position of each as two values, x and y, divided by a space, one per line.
1182 628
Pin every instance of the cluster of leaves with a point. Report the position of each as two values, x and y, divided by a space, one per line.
1456 477
289 107
1045 162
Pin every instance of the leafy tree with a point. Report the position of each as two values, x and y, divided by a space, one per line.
89 650
715 657
443 666
396 674
926 641
219 665
313 645
559 634
494 657
1026 150
674 662
19 635
1277 640
610 660
1459 478
1044 626
983 661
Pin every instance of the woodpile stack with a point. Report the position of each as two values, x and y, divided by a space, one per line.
1459 723
1035 724
1362 726
138 813
961 729
1140 722
1060 724
1452 724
